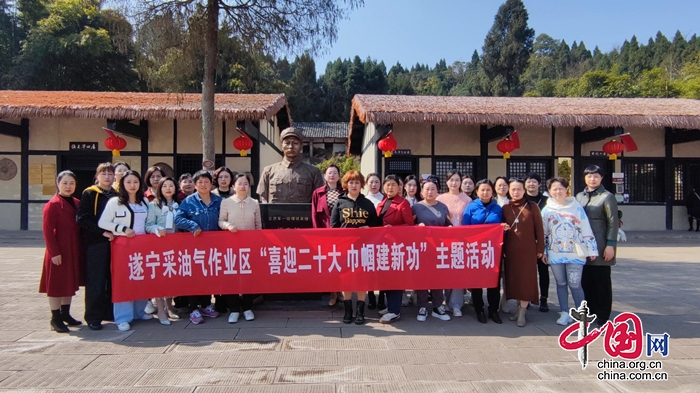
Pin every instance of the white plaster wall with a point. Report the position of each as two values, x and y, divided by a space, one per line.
455 140
11 189
643 218
10 216
367 163
160 136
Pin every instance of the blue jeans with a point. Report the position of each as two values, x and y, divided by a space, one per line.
393 301
568 274
128 311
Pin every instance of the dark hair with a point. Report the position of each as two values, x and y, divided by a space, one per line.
353 175
482 182
389 178
104 167
184 176
593 169
331 166
159 193
452 173
431 179
238 176
64 174
493 186
563 181
149 173
116 164
533 175
123 195
373 174
251 179
473 195
215 177
408 179
516 180
202 173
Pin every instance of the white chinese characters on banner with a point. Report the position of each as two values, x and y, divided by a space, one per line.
290 260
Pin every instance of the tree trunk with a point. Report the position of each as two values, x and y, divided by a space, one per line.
211 49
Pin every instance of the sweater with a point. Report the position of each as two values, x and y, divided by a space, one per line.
477 213
117 218
423 214
241 214
456 205
567 233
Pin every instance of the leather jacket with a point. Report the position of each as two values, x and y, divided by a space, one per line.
601 209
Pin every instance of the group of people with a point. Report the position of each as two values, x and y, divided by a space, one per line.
122 203
576 237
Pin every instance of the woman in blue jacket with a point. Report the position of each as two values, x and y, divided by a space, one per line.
484 210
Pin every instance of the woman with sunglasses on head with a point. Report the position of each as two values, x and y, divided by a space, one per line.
433 213
161 221
394 211
484 211
523 244
125 215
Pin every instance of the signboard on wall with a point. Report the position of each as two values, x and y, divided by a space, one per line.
82 146
402 152
598 153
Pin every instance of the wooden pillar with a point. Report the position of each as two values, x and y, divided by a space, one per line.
578 181
24 178
483 162
669 178
144 146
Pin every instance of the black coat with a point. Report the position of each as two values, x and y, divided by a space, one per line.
692 203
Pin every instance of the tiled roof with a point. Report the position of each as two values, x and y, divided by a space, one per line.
110 105
534 111
326 130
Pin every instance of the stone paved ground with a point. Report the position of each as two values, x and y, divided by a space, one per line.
305 347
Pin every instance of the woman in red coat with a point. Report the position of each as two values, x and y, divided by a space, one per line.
394 211
322 201
61 275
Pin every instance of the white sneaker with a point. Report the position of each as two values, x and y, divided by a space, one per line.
384 311
389 318
124 326
248 315
233 317
150 308
422 314
456 312
146 317
405 300
439 313
564 319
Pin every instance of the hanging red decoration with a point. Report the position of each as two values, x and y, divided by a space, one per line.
388 145
506 146
243 143
114 143
613 148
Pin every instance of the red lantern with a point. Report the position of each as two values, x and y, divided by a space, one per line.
388 145
613 148
114 143
506 146
243 143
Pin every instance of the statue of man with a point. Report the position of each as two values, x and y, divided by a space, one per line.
290 180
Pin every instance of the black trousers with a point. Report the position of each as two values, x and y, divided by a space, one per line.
98 290
543 272
596 282
238 303
493 295
198 300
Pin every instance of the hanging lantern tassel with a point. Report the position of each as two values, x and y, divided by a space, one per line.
388 145
114 143
243 143
506 146
613 148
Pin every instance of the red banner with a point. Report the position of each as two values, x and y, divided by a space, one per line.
305 260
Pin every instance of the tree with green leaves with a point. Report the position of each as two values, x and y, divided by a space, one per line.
304 92
507 49
76 46
276 25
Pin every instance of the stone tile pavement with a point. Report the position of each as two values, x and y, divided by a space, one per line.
304 347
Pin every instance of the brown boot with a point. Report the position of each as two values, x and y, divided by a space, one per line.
521 317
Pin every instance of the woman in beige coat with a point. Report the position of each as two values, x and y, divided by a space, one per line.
240 212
